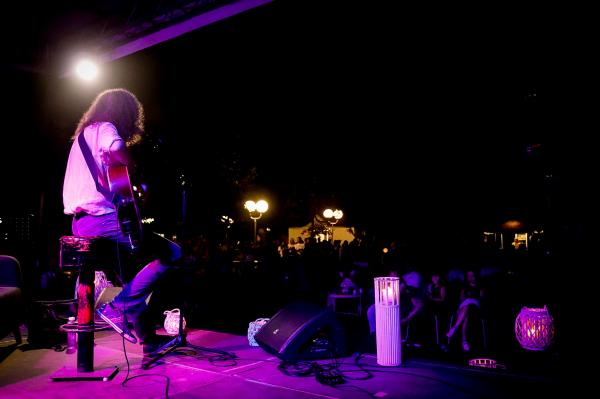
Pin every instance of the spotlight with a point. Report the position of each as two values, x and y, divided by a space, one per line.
86 70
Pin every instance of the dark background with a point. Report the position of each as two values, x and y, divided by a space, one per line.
425 124
413 120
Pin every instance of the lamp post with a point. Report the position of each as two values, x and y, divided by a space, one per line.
332 218
256 209
227 221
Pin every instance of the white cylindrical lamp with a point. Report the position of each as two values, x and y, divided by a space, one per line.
387 321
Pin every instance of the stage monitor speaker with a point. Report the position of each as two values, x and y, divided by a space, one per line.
302 331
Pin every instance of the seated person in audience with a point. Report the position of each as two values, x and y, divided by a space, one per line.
436 304
436 291
347 285
411 303
470 296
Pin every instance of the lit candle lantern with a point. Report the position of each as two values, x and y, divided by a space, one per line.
534 328
172 321
387 320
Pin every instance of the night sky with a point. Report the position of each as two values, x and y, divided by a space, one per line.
408 120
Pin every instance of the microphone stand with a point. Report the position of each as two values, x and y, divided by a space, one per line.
180 341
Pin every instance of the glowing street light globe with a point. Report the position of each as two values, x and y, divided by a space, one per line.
256 210
329 214
250 205
262 206
332 218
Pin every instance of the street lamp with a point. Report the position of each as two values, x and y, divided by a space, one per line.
227 222
332 218
256 210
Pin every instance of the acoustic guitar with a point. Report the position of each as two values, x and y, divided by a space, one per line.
124 200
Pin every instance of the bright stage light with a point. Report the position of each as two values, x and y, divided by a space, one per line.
86 70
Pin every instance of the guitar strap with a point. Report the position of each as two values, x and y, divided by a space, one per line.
93 167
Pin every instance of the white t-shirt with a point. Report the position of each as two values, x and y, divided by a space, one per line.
79 189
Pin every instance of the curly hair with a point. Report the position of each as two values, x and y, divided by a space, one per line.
119 107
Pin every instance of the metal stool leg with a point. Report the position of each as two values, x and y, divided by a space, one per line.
483 333
451 322
437 332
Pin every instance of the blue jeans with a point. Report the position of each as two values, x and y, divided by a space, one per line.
132 299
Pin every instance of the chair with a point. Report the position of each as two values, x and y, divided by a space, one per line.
354 308
11 297
436 317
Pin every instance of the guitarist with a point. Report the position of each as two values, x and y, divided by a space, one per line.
112 123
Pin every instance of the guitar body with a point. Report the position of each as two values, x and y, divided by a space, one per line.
127 210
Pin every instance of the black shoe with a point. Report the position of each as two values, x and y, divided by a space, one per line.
157 344
114 317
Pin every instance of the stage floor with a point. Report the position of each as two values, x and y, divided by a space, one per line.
26 373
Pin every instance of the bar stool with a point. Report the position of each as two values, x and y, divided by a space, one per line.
439 314
82 254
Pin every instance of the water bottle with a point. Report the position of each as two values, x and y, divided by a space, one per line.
71 336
